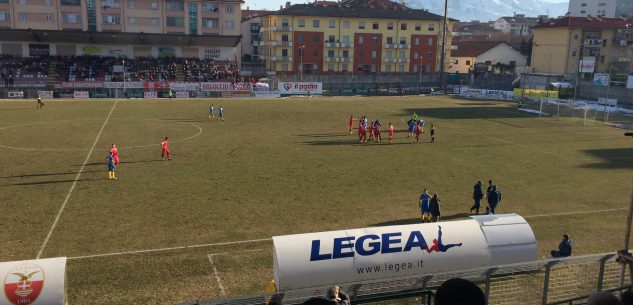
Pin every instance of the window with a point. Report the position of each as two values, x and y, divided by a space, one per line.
47 2
316 23
418 27
389 54
431 27
4 16
331 38
210 23
430 41
488 62
374 54
330 67
209 7
602 4
429 55
346 53
175 5
573 53
389 40
403 40
301 52
154 5
360 54
110 4
301 38
228 9
175 21
416 41
315 38
602 59
330 53
285 22
22 2
388 68
361 25
284 67
284 37
346 24
345 39
513 63
344 67
402 55
403 26
131 4
468 62
583 12
24 17
156 24
584 4
49 18
401 68
254 28
389 25
111 19
332 24
284 52
456 61
416 55
302 23
375 25
67 2
373 68
228 24
131 20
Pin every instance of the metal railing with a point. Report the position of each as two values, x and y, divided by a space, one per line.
547 282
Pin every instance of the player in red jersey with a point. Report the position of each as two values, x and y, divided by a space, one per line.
418 131
377 131
165 145
362 135
115 154
371 131
351 122
390 133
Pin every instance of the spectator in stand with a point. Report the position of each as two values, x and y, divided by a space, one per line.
603 298
459 292
564 247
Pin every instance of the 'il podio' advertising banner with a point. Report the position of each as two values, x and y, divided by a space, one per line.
300 88
33 282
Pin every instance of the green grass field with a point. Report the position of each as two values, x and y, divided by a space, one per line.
279 167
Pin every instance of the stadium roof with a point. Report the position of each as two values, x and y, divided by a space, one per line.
44 36
350 11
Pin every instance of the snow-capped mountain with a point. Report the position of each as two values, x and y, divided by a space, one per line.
487 10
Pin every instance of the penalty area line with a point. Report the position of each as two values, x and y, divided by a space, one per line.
216 275
72 187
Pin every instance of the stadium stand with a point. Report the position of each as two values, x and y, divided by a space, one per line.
210 70
22 69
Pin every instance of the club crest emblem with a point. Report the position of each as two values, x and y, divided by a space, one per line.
287 86
24 284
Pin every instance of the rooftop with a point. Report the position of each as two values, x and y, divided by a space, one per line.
354 9
587 22
474 48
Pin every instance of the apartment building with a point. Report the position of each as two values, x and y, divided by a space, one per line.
352 37
517 25
604 8
221 17
602 44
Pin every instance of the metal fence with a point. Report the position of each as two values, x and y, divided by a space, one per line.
547 282
583 112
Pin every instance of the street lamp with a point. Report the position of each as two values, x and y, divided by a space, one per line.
124 78
301 60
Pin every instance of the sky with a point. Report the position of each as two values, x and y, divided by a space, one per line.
274 4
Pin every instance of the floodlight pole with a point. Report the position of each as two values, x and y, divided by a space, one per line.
627 238
442 56
124 78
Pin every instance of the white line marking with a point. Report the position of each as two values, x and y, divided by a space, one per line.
575 213
172 248
268 239
216 275
72 187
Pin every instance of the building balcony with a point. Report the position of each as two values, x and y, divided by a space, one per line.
404 46
593 42
339 45
345 59
276 43
402 60
280 58
390 59
276 29
391 46
622 42
624 59
331 59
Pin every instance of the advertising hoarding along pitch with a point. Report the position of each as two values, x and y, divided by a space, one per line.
357 255
300 88
33 282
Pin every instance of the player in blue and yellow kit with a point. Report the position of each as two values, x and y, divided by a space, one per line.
111 167
425 209
212 112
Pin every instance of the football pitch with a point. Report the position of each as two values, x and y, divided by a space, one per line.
199 226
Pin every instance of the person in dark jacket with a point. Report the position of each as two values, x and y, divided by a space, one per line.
564 248
478 194
489 186
494 197
435 208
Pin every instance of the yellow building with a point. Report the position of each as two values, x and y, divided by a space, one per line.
560 45
330 37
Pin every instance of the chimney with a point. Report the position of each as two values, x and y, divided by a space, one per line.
287 4
248 8
281 7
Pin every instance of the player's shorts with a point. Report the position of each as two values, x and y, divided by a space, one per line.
426 209
166 150
111 168
410 129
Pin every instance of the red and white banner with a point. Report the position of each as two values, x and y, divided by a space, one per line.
300 88
224 86
150 94
33 282
182 94
82 84
45 94
81 94
184 86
